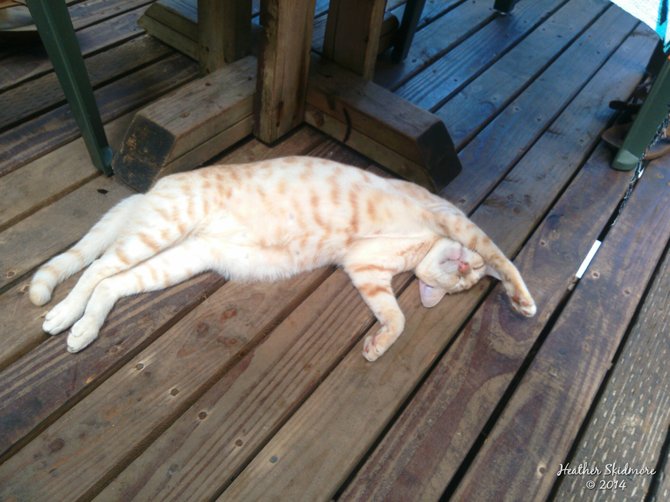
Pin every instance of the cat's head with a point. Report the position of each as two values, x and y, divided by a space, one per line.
449 268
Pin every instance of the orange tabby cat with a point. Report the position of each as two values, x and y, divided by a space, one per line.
273 219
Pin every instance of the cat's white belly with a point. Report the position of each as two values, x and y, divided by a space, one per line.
252 262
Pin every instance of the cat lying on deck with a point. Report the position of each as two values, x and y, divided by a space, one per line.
269 220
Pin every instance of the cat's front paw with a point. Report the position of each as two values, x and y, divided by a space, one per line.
61 317
374 346
524 305
82 334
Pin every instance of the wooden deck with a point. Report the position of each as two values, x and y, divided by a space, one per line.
219 390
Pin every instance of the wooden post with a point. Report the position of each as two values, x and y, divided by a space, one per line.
352 34
224 32
283 66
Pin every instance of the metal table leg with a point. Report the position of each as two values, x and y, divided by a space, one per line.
57 33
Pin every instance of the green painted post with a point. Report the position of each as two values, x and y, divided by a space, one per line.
653 113
57 33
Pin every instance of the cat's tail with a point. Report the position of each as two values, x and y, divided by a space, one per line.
90 247
455 225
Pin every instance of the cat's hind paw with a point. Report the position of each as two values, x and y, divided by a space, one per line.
82 334
61 317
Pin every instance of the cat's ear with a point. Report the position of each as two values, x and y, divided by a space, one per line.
492 272
430 296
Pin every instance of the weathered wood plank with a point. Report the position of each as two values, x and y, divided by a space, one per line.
175 23
352 34
382 154
446 75
40 94
389 28
556 392
349 408
302 142
180 16
161 146
283 67
184 42
355 402
148 393
53 228
47 178
451 408
90 12
224 32
544 99
18 68
243 408
450 29
662 490
476 104
48 380
171 129
41 135
630 421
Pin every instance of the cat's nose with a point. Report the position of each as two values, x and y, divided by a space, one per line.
463 268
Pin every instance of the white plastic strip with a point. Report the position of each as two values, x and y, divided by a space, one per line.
587 261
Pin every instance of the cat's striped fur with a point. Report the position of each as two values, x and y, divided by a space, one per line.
273 219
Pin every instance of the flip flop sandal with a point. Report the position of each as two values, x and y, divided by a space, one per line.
658 149
616 134
624 106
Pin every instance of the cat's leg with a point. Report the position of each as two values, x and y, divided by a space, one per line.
92 245
456 226
374 285
123 254
167 268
